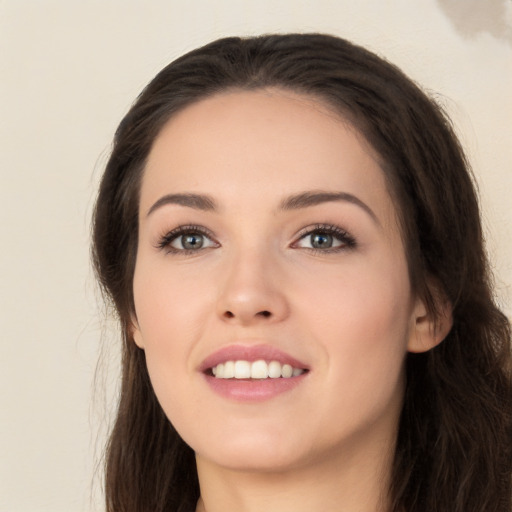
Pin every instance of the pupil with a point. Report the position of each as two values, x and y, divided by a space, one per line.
192 241
321 240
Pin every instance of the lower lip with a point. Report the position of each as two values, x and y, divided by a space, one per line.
253 390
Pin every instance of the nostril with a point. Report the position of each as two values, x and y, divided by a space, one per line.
260 314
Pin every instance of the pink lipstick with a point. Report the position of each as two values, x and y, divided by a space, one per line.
252 373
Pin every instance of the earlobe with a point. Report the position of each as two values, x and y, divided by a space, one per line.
136 334
428 330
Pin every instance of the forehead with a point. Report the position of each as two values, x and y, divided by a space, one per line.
261 143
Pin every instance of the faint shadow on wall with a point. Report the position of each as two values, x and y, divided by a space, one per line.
472 17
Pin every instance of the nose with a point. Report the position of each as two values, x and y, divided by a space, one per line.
252 291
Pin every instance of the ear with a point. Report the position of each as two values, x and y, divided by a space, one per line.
428 330
135 332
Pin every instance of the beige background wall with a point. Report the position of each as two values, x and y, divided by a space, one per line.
68 71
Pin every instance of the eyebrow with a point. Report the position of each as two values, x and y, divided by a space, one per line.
295 202
316 197
196 201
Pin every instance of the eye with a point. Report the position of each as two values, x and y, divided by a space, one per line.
325 238
189 242
186 239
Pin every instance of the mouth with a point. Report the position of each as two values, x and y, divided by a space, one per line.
250 373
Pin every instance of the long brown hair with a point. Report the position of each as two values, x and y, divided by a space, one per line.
453 449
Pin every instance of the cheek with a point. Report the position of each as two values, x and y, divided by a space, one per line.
171 315
165 330
371 297
169 304
362 319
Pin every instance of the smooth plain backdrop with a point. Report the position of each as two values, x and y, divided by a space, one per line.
69 70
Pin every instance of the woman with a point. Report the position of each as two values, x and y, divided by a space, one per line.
289 233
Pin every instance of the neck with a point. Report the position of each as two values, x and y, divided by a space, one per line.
343 482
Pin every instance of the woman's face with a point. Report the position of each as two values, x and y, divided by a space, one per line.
269 244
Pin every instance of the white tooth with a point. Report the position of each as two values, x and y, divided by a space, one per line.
219 371
242 370
229 369
274 370
259 370
287 371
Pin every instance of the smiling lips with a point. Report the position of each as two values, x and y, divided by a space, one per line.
250 373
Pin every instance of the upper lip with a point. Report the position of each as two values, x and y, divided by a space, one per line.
251 353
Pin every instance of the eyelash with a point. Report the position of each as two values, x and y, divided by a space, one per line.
348 241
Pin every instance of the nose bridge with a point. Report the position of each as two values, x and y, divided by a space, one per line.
251 290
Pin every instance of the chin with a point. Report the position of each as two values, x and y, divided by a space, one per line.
256 451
